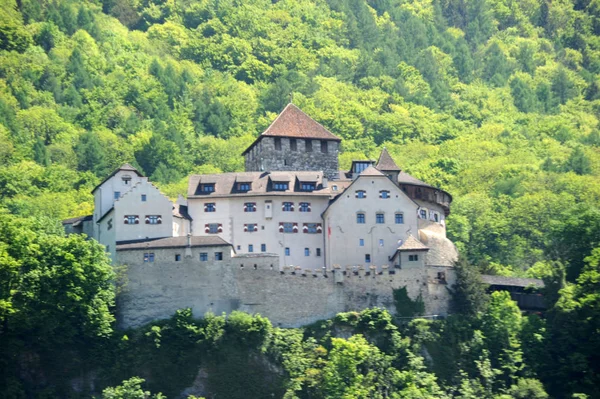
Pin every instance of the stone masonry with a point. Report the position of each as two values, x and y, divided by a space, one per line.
265 157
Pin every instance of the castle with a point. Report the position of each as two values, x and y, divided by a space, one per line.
292 237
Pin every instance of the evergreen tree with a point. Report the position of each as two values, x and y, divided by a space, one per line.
496 69
562 86
91 154
578 162
40 153
523 95
469 295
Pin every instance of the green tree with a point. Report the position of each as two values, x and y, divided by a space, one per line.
130 389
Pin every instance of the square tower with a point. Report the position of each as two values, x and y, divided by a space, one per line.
294 142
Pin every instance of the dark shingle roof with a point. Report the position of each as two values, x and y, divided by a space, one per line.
77 219
386 162
294 123
173 242
511 281
181 211
260 183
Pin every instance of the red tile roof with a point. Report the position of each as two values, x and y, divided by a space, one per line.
294 123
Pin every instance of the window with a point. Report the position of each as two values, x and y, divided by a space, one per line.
293 145
399 218
379 218
132 219
423 213
367 258
218 255
143 197
210 207
250 207
287 251
418 193
287 207
384 194
318 252
244 187
306 251
251 227
277 143
360 194
280 186
109 224
126 180
117 194
305 207
287 227
334 188
413 258
312 228
380 242
436 217
360 218
308 145
213 228
324 146
203 256
153 219
361 166
177 257
307 186
148 257
263 247
208 188
361 242
250 248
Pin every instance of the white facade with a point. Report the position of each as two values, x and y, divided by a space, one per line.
252 225
351 241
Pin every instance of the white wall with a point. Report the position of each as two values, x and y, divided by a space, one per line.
343 246
104 196
230 213
131 204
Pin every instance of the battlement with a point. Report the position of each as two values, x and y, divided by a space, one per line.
290 297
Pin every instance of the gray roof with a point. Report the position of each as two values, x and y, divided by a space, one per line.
173 242
371 171
412 244
261 183
511 281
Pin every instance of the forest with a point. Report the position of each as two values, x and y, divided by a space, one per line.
495 101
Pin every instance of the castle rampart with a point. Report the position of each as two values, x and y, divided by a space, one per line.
289 298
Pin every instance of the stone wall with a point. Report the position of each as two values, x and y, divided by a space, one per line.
289 298
264 157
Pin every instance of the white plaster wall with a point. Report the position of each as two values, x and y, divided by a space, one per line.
181 227
343 246
131 204
230 213
104 195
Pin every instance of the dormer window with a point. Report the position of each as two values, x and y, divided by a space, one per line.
307 186
244 187
423 213
280 186
361 194
360 166
208 188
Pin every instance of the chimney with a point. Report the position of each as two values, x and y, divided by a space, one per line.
325 182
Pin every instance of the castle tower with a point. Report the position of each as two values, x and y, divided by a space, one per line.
294 142
387 166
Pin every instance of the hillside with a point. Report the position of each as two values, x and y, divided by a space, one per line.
495 101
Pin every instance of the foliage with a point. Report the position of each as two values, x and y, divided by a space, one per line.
407 307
